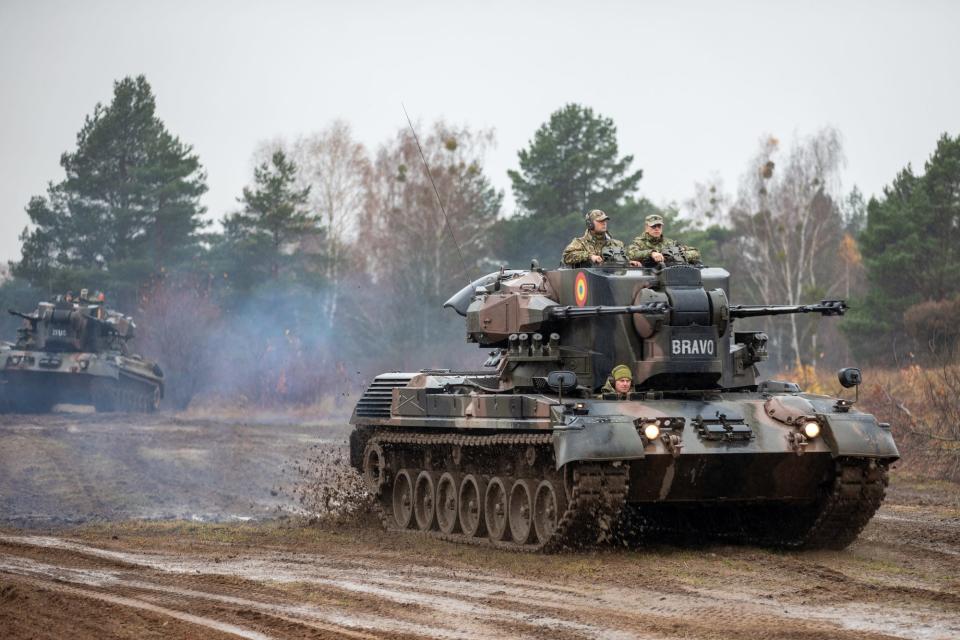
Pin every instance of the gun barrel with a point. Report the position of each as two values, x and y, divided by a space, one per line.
569 312
20 314
824 307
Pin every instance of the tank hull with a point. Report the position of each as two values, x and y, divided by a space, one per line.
35 381
732 465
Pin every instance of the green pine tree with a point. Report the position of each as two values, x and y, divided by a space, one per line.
270 233
128 208
911 253
572 165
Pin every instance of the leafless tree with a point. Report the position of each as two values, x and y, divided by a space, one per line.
415 256
336 168
709 205
177 321
788 225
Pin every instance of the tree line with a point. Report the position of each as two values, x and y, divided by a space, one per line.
337 259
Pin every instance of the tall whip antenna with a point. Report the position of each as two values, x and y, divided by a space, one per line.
436 191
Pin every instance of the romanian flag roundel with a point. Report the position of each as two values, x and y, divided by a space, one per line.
580 289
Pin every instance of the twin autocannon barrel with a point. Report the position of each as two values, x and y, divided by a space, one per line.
19 314
569 312
824 307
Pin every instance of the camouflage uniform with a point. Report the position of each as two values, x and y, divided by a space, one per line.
645 244
589 244
579 250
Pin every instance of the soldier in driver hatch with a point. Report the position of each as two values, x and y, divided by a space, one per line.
620 382
648 247
586 250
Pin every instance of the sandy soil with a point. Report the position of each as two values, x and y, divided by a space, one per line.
170 527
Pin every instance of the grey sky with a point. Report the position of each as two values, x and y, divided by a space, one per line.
691 86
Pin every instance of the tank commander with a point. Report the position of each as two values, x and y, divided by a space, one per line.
649 247
619 382
587 249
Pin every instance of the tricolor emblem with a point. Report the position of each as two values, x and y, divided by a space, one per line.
580 289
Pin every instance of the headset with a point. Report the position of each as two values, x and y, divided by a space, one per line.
591 224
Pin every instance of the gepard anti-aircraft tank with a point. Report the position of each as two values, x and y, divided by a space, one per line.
529 454
76 352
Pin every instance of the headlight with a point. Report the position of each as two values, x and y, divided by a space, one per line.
651 431
811 429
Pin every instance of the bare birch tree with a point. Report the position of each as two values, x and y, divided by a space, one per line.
336 168
789 225
416 257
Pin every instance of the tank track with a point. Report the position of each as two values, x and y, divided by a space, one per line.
592 494
125 394
858 490
849 499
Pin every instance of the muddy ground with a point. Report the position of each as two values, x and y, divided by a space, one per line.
179 527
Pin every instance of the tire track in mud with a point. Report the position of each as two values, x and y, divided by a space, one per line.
431 607
378 596
29 574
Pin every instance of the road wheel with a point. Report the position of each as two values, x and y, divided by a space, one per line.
403 499
470 505
495 510
547 508
424 504
521 512
374 468
447 493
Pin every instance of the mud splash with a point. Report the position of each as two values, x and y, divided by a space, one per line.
326 486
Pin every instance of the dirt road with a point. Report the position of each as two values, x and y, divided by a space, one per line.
166 527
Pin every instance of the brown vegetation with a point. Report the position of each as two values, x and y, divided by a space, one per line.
921 403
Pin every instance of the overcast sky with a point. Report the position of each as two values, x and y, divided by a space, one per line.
692 86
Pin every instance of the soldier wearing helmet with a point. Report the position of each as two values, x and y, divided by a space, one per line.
648 248
587 249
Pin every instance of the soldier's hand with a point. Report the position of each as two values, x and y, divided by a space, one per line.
595 259
636 263
657 256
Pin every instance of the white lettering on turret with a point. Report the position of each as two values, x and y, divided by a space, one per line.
684 347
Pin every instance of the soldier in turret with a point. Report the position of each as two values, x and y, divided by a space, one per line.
620 382
587 249
649 247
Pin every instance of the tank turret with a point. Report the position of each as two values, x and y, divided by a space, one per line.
71 327
673 326
76 352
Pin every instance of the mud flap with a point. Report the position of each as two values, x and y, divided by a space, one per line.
859 435
595 439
